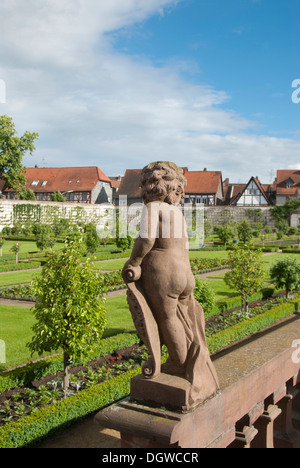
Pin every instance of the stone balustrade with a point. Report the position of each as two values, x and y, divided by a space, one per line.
258 405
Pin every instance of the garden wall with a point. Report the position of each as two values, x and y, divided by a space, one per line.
217 215
12 211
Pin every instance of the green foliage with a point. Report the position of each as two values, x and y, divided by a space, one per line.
252 325
57 197
247 273
244 231
91 239
286 273
225 233
44 237
27 195
12 151
283 226
69 311
282 213
205 295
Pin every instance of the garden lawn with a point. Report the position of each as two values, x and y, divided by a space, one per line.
221 290
270 260
111 265
118 316
20 277
15 331
219 254
16 328
26 247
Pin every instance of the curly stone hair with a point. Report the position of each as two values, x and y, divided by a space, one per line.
163 181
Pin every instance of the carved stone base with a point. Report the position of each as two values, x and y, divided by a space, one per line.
165 390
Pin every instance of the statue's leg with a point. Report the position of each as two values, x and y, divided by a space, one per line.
171 328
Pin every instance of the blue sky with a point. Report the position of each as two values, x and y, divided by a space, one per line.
119 83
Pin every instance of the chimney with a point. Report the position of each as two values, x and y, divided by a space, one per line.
205 169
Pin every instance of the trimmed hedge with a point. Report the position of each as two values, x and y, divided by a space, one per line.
248 327
234 302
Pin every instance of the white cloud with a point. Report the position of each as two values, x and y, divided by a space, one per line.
92 105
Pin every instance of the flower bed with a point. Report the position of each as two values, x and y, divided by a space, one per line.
248 327
203 265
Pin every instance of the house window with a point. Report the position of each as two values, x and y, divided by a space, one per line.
70 181
78 181
35 183
44 183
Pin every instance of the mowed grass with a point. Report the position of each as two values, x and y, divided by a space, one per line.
16 328
26 247
19 277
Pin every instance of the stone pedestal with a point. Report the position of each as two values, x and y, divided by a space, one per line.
164 390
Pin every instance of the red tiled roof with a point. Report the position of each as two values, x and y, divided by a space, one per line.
198 182
130 183
64 179
282 177
202 182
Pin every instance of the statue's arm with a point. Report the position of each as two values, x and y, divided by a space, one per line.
143 244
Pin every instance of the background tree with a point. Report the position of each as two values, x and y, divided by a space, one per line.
91 239
123 239
44 238
247 274
244 231
57 197
69 312
16 249
225 233
286 274
27 195
12 151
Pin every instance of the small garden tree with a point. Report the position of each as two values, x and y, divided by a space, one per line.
92 240
286 274
44 238
15 249
246 275
123 239
244 231
225 233
70 311
57 197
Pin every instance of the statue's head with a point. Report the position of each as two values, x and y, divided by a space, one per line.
163 181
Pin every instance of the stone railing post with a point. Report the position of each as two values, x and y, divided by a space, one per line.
265 427
296 409
285 434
